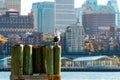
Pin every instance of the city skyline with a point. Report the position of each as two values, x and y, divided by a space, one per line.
26 9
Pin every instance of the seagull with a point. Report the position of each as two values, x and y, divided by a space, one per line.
56 39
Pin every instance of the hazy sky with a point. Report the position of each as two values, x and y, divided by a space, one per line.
27 4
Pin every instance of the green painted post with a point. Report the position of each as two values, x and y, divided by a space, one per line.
57 60
27 60
49 59
36 59
17 60
43 60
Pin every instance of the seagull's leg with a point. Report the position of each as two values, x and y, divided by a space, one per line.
55 44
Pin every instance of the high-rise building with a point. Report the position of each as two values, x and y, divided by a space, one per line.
113 3
94 2
5 5
44 16
119 19
98 17
87 4
14 23
79 12
74 38
64 14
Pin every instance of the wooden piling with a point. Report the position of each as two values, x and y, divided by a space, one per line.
36 57
57 60
43 59
17 60
38 63
56 77
49 60
27 60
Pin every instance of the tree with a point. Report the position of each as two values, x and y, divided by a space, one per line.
3 40
48 40
14 39
115 45
89 47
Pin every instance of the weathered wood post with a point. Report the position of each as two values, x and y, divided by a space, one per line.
36 59
49 58
27 60
57 63
17 60
43 59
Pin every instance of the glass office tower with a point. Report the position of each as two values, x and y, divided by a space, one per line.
5 5
44 16
64 14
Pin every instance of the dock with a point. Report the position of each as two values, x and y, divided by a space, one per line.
74 69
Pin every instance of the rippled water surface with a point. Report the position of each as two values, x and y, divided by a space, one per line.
78 75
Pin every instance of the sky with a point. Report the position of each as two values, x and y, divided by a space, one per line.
27 4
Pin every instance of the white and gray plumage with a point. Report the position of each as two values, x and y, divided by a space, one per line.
56 39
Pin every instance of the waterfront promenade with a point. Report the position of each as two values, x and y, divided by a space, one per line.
76 69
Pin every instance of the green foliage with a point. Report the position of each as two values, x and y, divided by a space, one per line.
48 41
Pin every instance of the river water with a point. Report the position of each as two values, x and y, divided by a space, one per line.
78 75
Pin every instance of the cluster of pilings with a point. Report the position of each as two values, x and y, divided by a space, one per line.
28 61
